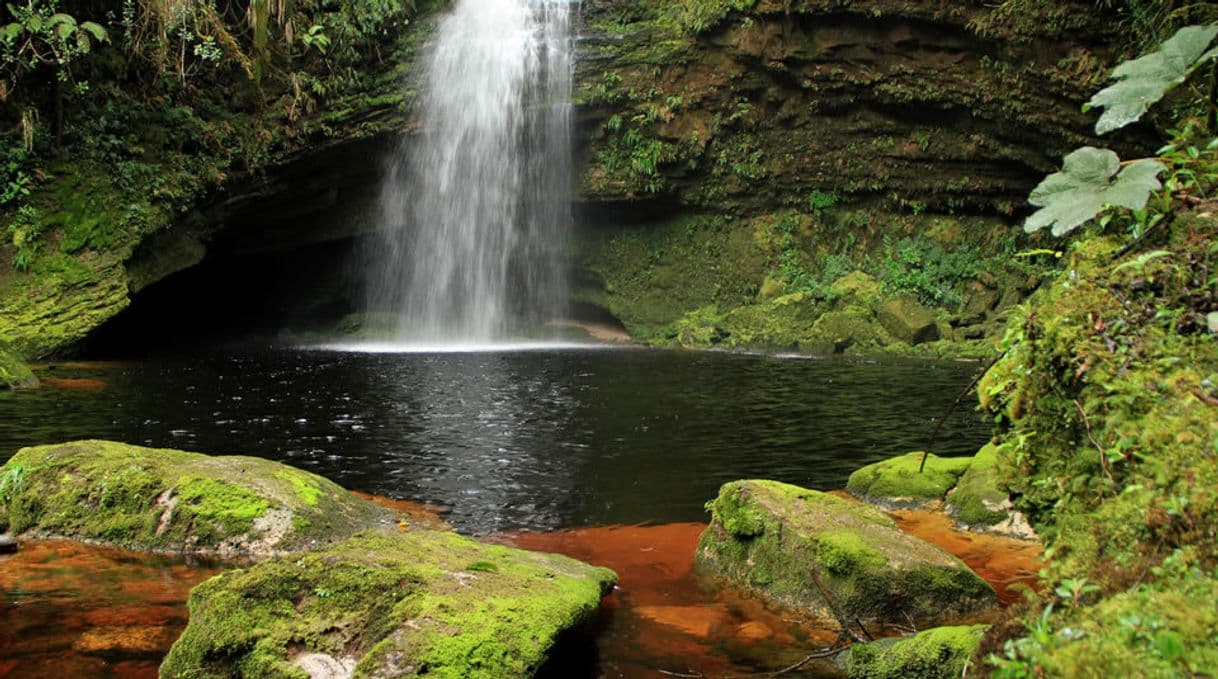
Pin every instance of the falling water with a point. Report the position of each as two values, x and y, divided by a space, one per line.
478 207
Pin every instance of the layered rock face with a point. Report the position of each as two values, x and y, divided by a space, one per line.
739 153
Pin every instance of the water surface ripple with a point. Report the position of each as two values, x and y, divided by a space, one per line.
518 440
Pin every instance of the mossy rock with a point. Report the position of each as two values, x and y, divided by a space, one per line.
938 653
833 558
979 503
174 501
385 605
896 482
906 319
14 373
850 328
856 288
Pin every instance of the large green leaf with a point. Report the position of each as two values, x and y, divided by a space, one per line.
1090 179
1143 81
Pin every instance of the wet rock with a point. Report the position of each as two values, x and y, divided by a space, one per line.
8 544
979 503
906 319
421 602
856 288
853 326
898 483
14 373
938 653
832 558
174 501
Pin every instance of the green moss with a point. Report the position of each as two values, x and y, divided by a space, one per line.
978 500
832 558
420 603
898 481
306 490
232 506
907 320
14 373
169 500
937 653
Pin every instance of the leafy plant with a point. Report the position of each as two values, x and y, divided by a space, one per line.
1092 179
1143 81
41 35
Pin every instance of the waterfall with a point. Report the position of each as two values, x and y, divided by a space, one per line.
477 208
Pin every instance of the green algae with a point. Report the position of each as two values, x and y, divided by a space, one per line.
936 653
401 605
832 558
897 481
169 500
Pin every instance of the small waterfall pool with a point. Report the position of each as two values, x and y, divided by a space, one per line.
606 454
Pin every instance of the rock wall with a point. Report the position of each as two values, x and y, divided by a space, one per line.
741 152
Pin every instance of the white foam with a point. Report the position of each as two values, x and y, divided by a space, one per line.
505 347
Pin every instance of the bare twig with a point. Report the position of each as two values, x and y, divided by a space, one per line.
826 653
693 675
934 433
1091 437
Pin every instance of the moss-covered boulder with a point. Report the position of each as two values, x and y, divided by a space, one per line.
906 319
173 501
937 653
897 481
850 328
856 288
14 373
979 502
833 558
382 605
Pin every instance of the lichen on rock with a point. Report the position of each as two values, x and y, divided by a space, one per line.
420 603
832 558
174 501
903 482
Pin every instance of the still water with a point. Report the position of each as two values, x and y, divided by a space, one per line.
518 440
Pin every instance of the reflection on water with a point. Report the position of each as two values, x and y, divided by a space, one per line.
515 440
71 610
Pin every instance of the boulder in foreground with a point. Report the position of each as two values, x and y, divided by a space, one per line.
174 501
833 558
384 605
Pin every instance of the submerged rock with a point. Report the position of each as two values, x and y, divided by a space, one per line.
833 558
979 503
383 605
174 501
938 653
14 373
8 544
897 481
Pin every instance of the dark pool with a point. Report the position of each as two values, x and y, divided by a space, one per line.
512 440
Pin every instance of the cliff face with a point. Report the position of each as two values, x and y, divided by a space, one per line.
812 139
734 153
751 105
